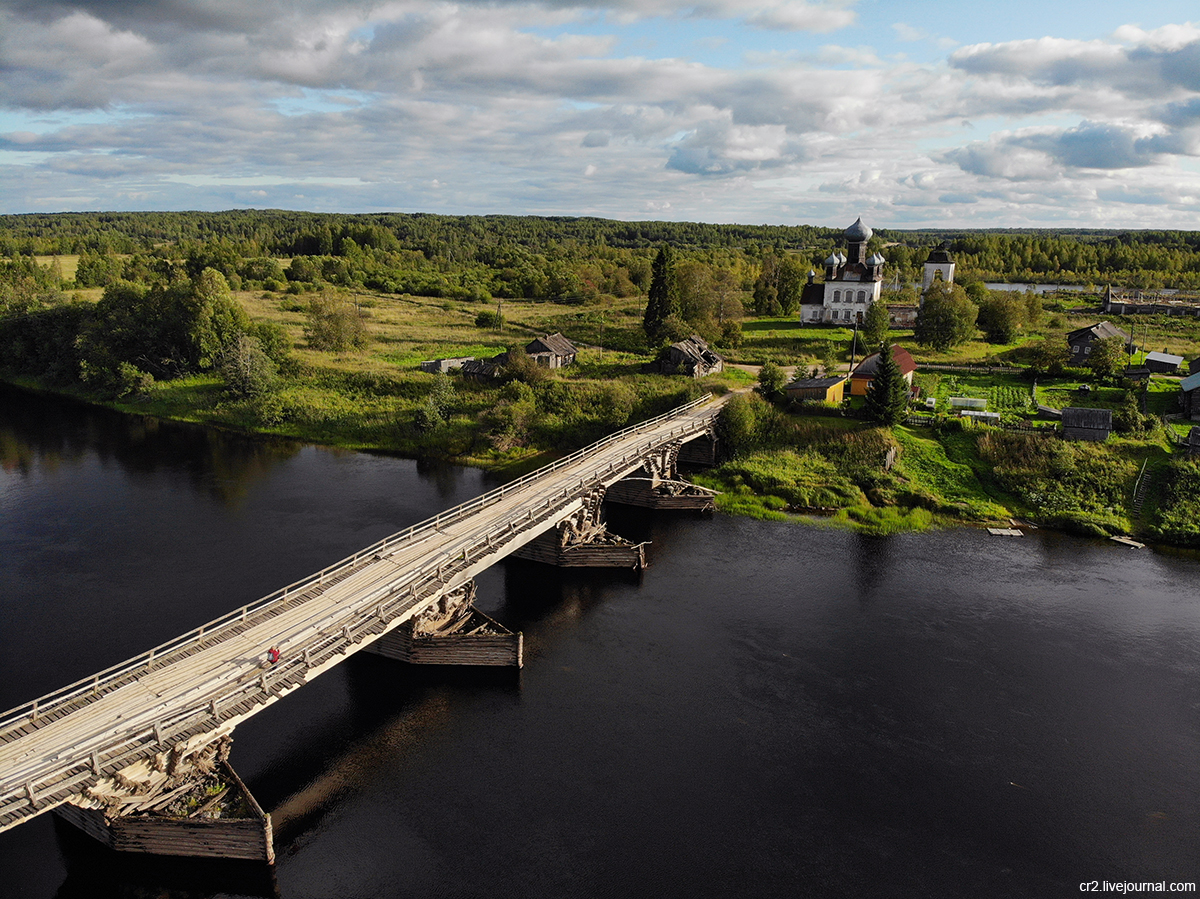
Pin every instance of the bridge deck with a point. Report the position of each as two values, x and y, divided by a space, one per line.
205 683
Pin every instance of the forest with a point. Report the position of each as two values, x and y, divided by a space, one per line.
566 257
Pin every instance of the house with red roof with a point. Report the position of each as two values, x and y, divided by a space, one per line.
864 374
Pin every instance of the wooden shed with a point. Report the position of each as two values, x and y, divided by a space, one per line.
1086 424
821 390
1163 363
864 374
1189 396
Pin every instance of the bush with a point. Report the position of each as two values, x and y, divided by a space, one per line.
334 325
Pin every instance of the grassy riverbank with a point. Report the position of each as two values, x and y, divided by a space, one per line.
956 473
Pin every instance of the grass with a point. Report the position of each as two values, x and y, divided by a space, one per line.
951 485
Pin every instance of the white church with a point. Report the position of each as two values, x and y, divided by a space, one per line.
853 281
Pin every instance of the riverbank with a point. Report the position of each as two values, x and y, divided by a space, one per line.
830 471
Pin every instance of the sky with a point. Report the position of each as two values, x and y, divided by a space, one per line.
908 114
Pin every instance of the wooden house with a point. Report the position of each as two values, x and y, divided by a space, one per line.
1194 366
820 390
1081 340
1163 363
1189 396
689 357
552 351
484 369
1086 424
864 374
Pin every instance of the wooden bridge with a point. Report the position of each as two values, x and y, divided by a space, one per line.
147 719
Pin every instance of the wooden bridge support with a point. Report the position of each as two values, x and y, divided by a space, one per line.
666 495
452 632
701 451
193 806
584 542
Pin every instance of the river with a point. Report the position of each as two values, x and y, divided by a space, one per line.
768 710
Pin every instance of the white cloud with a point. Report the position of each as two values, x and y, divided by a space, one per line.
495 106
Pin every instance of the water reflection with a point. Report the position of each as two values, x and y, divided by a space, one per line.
44 433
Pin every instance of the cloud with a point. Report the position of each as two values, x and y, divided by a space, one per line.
485 105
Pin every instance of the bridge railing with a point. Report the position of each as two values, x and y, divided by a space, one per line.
96 683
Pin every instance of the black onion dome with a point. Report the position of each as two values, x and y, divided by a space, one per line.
858 232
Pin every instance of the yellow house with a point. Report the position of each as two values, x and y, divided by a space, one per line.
825 390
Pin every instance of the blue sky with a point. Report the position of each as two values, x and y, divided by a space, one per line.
909 114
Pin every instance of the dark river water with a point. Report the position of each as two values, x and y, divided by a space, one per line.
769 710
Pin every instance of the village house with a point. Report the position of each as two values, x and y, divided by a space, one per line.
1163 363
1081 340
821 390
552 351
864 374
691 356
1086 424
1189 396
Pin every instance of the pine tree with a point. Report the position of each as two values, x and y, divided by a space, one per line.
663 301
887 395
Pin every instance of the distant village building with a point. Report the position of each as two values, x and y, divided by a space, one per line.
1086 424
903 315
445 366
939 266
852 282
821 390
864 374
1163 363
552 351
691 357
1133 302
1081 340
1189 396
484 369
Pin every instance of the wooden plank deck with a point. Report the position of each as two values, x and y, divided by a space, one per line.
203 688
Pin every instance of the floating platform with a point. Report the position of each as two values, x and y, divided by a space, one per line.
1128 541
228 824
1005 532
657 493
